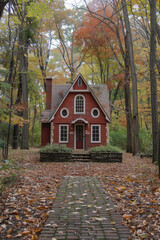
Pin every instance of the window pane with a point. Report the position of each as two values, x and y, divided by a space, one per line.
64 112
64 133
79 104
95 112
80 82
95 134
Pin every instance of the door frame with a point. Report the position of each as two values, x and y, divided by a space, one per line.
76 136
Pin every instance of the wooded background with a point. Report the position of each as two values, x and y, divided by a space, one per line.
114 42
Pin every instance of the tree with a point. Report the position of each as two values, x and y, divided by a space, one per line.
134 78
153 79
112 27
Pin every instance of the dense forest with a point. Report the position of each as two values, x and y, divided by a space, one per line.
110 42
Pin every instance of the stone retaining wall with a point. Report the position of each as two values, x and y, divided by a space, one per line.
55 157
94 157
106 157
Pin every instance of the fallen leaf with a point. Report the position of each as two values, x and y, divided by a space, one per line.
17 217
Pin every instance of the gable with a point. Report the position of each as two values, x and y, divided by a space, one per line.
69 104
60 92
79 84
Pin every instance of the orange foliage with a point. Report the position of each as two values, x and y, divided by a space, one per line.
92 35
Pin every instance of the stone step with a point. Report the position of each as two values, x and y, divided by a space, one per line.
81 157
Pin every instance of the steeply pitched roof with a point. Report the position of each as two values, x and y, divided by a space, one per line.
45 116
59 93
101 93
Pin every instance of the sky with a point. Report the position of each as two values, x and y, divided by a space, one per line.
71 3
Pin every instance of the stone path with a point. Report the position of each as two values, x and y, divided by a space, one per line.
83 210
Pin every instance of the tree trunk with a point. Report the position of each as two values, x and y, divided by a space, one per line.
34 119
153 79
128 105
134 79
159 152
16 127
23 57
15 137
3 3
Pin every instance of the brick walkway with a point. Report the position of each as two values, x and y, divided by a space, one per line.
83 210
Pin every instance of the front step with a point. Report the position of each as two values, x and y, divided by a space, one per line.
81 157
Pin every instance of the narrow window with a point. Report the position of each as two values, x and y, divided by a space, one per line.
95 134
79 104
79 82
63 133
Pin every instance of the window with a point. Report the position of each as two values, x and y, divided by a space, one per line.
64 112
95 134
79 82
95 112
79 104
63 133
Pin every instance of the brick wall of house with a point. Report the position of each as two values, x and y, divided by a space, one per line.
45 134
90 103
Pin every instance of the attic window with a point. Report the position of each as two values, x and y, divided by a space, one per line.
79 104
79 82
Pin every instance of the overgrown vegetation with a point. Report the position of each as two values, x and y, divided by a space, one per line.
108 148
118 138
55 148
6 175
7 180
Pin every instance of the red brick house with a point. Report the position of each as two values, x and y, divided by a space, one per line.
76 115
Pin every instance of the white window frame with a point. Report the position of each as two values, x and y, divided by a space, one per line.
92 112
79 95
95 125
63 125
67 112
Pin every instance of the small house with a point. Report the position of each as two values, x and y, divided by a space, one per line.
77 115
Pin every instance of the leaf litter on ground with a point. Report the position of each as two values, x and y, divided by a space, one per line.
25 205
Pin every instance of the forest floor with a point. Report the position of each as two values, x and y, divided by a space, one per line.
28 190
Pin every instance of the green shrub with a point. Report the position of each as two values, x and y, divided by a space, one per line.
107 148
36 136
145 140
118 137
55 148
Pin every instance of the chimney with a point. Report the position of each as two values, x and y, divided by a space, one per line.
48 93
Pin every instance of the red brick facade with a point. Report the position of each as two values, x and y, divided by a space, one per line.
90 123
45 134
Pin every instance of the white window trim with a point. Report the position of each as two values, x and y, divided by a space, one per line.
92 112
75 104
60 133
67 112
99 133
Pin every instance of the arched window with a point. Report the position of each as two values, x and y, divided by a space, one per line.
79 104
